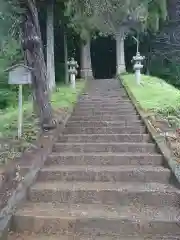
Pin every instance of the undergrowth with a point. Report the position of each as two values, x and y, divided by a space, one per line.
63 99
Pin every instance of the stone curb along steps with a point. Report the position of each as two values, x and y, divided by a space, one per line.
29 165
160 140
105 178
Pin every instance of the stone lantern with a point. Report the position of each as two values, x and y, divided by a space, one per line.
137 60
72 70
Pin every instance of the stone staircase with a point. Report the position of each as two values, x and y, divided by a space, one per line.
104 180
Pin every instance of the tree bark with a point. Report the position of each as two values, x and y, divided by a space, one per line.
86 65
66 59
50 46
120 58
32 45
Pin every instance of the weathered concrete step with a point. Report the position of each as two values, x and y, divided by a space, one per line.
97 112
108 117
103 102
93 93
105 147
101 91
104 94
106 130
92 99
105 173
123 193
96 107
103 138
85 105
97 220
105 97
111 159
32 236
103 124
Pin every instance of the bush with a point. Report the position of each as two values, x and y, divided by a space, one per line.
168 70
7 98
9 55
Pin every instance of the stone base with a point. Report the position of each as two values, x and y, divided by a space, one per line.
86 74
120 69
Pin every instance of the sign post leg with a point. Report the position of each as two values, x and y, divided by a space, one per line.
20 112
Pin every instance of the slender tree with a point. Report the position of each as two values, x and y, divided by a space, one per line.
33 48
50 46
84 25
66 58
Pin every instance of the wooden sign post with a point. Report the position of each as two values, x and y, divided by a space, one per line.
20 74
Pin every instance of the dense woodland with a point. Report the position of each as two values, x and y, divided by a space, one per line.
98 33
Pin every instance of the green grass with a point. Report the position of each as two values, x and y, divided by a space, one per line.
64 97
154 94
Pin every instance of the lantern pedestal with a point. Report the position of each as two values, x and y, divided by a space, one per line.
72 64
73 79
137 68
137 60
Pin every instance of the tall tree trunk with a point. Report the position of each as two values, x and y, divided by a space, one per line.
83 60
32 45
66 59
50 46
86 65
120 58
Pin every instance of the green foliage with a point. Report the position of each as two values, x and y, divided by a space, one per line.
111 15
168 70
81 18
10 17
10 51
60 72
11 148
157 11
63 98
9 54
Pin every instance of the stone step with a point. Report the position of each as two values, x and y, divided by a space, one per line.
108 117
104 107
103 102
105 173
111 159
105 122
94 99
105 147
94 95
123 193
96 220
103 138
31 236
97 112
106 130
100 124
99 92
